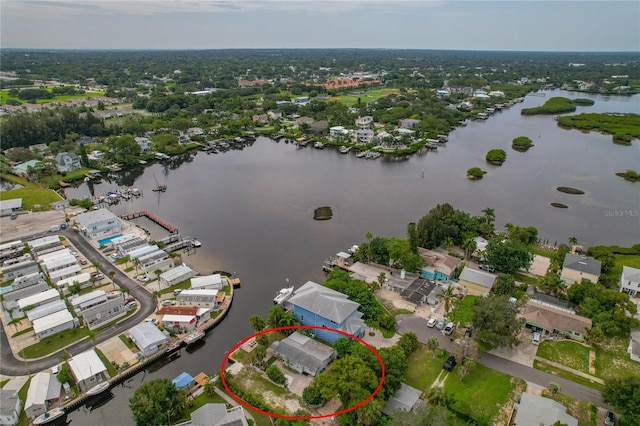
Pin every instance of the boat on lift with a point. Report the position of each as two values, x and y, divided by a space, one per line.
49 416
283 295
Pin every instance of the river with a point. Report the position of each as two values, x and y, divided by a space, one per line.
253 209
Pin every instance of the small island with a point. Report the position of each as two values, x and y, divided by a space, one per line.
496 156
557 105
630 175
559 205
475 173
569 190
521 143
583 102
623 127
322 213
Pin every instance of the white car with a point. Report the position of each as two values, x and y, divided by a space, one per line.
432 322
168 302
143 278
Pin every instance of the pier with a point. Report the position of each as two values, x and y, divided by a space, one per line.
153 218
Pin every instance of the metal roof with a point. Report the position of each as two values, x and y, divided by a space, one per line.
404 399
536 410
38 298
52 320
324 302
475 276
582 264
147 334
304 351
86 365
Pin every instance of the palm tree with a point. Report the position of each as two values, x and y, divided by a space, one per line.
432 344
573 241
448 297
256 322
112 274
96 265
275 315
489 215
448 243
469 245
436 395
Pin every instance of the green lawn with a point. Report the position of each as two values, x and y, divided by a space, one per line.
111 370
570 354
4 96
612 359
625 260
462 312
4 382
482 393
54 343
22 394
31 194
423 368
25 331
126 341
525 278
200 400
539 250
581 410
365 98
183 285
542 366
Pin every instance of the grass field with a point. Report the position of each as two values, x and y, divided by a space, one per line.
570 354
542 366
51 344
4 96
31 194
481 394
613 359
423 368
365 98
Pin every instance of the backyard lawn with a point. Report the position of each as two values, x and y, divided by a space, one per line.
612 359
365 98
462 312
482 393
31 194
423 368
568 353
51 344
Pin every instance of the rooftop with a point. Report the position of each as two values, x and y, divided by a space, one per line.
538 410
323 301
475 276
582 264
86 365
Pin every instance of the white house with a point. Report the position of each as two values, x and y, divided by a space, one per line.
83 280
176 275
60 251
481 246
144 143
142 251
10 407
202 298
38 299
44 389
634 345
67 272
44 242
58 264
208 282
67 161
53 323
157 260
46 309
27 280
88 370
16 270
337 132
630 281
98 223
148 338
97 308
10 206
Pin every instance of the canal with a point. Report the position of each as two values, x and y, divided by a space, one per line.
252 209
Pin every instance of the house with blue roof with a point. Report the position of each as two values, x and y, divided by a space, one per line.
317 305
184 381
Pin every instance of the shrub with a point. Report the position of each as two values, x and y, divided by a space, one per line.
497 156
521 143
475 173
276 375
311 395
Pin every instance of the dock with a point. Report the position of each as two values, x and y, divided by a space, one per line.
153 218
193 337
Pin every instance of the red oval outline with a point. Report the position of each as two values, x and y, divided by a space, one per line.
293 327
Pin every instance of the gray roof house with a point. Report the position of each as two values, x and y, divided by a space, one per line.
303 354
405 399
98 223
148 338
576 268
67 161
538 410
10 407
475 282
217 415
630 281
634 345
9 206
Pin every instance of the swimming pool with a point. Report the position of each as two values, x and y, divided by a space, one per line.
105 241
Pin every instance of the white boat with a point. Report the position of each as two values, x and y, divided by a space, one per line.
196 243
283 295
345 149
99 388
49 416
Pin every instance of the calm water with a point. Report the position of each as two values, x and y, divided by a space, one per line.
253 209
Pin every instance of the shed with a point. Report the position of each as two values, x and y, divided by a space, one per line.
148 338
405 399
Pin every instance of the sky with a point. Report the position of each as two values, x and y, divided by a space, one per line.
514 25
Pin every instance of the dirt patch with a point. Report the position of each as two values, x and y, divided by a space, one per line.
592 362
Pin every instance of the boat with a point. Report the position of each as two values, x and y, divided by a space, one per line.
196 243
318 145
345 149
283 295
99 388
193 337
361 154
49 416
160 187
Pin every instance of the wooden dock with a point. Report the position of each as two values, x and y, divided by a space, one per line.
140 213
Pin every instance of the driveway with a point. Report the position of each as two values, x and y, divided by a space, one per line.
11 366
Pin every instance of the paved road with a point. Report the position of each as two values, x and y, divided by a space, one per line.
11 366
418 325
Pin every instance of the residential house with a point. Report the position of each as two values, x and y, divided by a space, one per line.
95 155
10 302
302 121
8 250
274 114
46 309
439 266
302 100
408 123
634 345
476 283
260 118
23 169
404 399
45 256
319 127
58 264
83 280
144 143
19 269
175 275
36 403
538 410
158 260
53 323
27 281
10 407
148 338
140 251
577 268
549 319
202 298
303 354
88 370
97 308
179 318
217 415
208 282
314 304
37 246
84 140
422 291
338 132
67 161
10 206
67 272
99 223
481 246
630 281
38 299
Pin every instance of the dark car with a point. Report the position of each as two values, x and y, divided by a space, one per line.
450 363
610 419
468 332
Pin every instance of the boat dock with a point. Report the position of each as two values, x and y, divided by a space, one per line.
140 213
192 337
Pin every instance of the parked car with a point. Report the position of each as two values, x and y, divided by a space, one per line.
440 325
131 305
131 299
152 320
143 278
432 322
168 302
487 268
448 330
97 275
450 363
114 256
536 338
177 292
610 418
83 261
468 333
75 253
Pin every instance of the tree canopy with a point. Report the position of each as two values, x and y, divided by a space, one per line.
495 321
508 256
157 402
624 394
